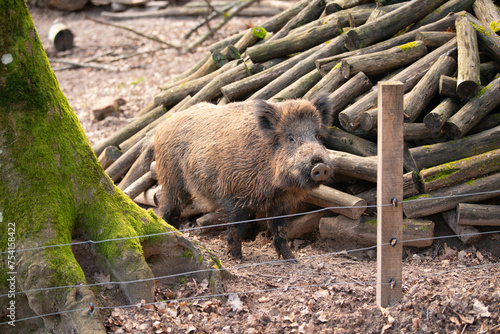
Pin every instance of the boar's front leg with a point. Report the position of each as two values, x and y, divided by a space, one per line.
278 231
236 232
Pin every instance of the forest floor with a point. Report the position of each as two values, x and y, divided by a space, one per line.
447 288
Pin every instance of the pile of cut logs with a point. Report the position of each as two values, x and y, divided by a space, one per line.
447 55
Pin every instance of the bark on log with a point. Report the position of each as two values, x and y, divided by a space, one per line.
344 4
122 165
337 201
435 119
345 94
448 198
299 226
310 13
236 90
139 186
489 41
460 170
434 39
448 87
467 234
140 166
354 166
452 6
294 42
336 46
331 81
473 111
300 87
129 130
213 88
388 25
364 230
468 79
174 95
487 13
437 154
423 92
338 139
109 156
351 116
383 61
478 214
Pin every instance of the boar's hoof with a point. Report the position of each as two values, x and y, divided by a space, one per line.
320 172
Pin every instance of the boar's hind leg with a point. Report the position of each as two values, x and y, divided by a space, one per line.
236 232
278 230
171 204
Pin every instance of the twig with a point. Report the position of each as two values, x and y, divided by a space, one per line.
215 13
153 38
226 17
129 55
81 64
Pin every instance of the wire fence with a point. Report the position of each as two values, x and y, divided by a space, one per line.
91 308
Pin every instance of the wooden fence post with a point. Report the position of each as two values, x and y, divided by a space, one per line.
390 191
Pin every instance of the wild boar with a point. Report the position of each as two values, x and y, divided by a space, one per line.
243 158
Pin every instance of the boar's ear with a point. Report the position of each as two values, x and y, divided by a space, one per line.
267 118
323 103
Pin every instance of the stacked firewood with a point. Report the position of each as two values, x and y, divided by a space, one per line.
447 55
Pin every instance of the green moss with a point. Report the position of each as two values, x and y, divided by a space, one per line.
259 32
133 83
408 46
419 196
495 26
441 175
187 253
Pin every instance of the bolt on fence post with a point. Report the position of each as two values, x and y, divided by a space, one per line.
390 193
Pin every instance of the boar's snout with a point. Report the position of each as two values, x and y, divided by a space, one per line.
320 171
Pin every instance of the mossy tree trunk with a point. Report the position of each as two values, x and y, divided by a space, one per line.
53 189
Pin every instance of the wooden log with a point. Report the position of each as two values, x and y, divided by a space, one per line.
418 131
440 153
337 201
436 118
331 81
452 6
108 156
336 46
488 71
350 117
147 197
468 79
236 90
300 87
445 199
489 122
139 186
467 234
351 165
140 166
448 87
388 25
294 42
129 130
473 111
122 165
488 40
310 13
60 36
423 92
461 170
434 39
487 13
382 61
213 88
363 231
250 38
478 214
344 4
338 139
297 227
345 94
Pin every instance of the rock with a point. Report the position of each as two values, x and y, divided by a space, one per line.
106 106
67 5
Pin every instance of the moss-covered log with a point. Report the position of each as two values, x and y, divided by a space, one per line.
53 187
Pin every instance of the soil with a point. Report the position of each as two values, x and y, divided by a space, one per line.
447 288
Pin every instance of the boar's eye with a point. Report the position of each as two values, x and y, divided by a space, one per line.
320 137
291 139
